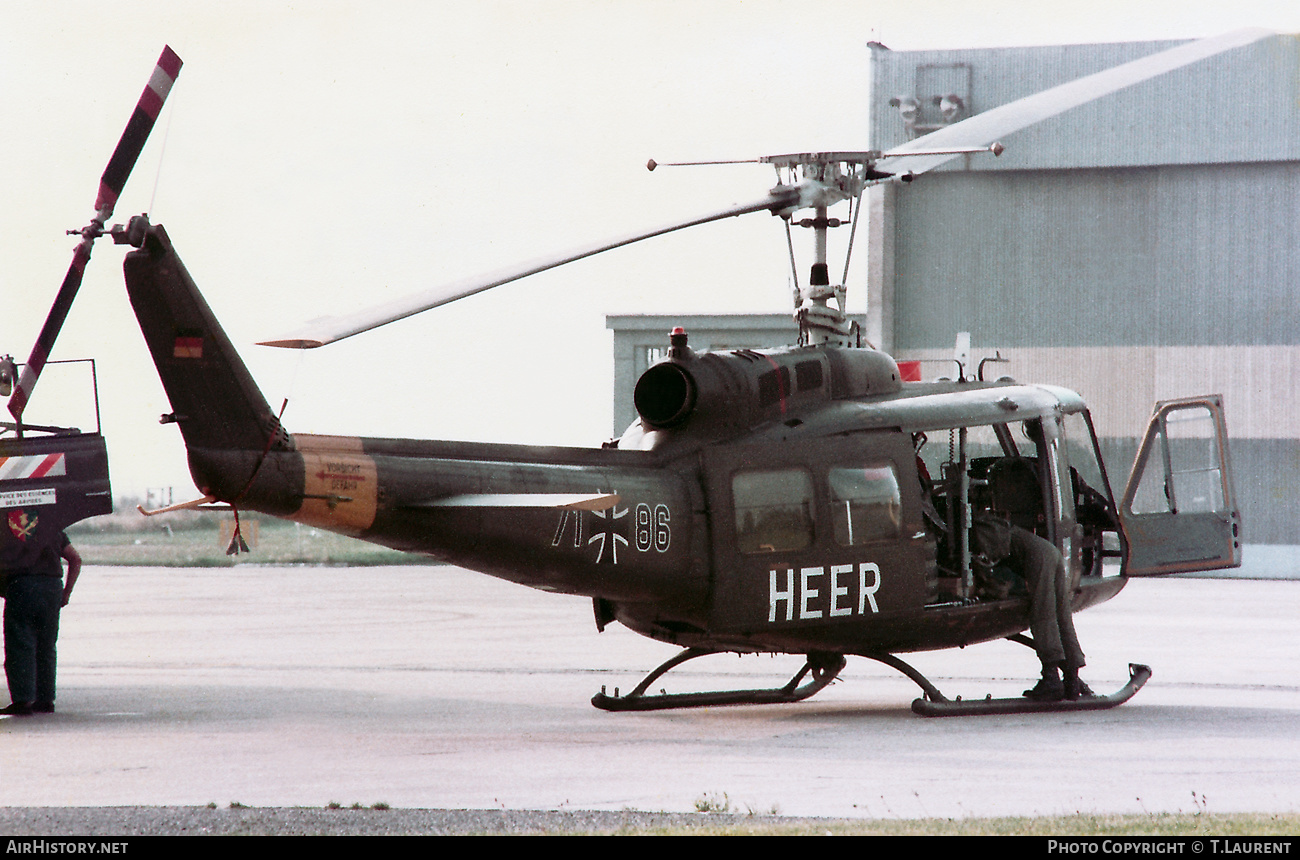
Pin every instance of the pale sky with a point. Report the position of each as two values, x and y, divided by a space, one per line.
316 157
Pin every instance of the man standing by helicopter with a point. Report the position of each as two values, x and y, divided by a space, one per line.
31 560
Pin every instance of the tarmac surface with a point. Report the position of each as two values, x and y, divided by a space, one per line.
434 688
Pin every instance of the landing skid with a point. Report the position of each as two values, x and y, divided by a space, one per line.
824 668
942 707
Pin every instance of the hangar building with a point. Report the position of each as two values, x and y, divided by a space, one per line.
1141 247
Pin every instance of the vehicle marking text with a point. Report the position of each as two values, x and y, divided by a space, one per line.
817 593
651 530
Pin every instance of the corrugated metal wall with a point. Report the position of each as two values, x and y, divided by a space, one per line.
1141 247
1203 254
1239 106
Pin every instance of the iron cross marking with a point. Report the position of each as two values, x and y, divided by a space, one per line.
609 533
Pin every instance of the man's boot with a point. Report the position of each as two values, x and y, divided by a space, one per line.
1074 686
1049 688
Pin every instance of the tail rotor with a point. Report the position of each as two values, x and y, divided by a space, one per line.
110 186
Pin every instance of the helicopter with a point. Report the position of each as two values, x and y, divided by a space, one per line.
806 500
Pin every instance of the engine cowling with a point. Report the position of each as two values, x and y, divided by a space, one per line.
745 387
665 395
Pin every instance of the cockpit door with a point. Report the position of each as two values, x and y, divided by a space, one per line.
1179 511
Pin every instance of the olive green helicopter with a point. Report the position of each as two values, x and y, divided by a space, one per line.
815 500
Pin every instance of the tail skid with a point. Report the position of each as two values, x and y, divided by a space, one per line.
192 505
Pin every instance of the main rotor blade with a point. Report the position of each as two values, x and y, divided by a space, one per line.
53 323
992 125
326 330
137 132
914 157
110 186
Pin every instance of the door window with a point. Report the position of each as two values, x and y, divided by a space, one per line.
1179 512
1182 473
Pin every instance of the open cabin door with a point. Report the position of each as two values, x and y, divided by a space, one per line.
1179 511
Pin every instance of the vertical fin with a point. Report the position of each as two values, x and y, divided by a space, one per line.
226 423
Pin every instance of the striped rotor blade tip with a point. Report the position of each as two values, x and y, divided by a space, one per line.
137 131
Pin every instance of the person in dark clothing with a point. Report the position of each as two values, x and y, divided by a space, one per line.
1051 621
35 591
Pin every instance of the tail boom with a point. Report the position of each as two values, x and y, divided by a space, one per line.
505 510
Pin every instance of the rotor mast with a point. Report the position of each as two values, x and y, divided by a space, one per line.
818 181
830 177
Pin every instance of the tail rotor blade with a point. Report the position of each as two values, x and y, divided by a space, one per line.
110 186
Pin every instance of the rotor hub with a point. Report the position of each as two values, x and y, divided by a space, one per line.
820 323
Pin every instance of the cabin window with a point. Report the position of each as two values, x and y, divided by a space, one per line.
773 510
865 504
